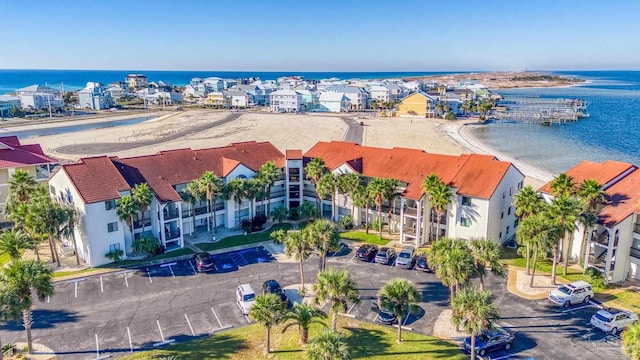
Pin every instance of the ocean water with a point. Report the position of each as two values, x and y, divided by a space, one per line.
611 132
77 79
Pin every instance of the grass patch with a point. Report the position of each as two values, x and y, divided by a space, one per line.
57 274
237 240
546 265
166 255
365 340
363 237
622 299
4 258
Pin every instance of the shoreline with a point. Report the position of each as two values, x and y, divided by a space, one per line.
462 135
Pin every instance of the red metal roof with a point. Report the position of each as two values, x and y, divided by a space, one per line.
14 155
96 179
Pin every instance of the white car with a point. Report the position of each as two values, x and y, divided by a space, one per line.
246 298
613 320
572 293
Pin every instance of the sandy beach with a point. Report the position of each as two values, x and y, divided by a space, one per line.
205 128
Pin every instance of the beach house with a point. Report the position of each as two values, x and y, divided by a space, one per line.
39 97
612 244
285 101
8 102
137 81
94 96
418 104
27 157
358 96
333 102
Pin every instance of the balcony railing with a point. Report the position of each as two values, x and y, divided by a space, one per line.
602 239
201 210
636 228
635 253
411 211
309 193
173 234
137 224
276 194
170 213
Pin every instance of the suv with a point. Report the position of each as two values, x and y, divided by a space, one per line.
613 320
405 257
273 287
422 263
246 298
385 256
572 293
203 261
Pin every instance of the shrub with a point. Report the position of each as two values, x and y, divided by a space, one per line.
115 255
257 221
246 225
450 116
147 244
294 214
377 225
347 222
596 276
279 214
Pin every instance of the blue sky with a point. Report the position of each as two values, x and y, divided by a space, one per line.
327 35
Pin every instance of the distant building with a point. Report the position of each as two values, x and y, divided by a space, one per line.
137 81
285 101
39 97
334 102
14 156
358 97
95 96
417 104
7 102
239 98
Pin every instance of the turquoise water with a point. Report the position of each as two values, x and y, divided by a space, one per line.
611 132
72 128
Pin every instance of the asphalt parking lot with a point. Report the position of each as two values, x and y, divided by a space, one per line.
146 307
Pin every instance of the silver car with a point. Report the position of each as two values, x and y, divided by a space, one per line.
406 257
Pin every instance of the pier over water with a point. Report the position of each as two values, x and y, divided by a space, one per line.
537 110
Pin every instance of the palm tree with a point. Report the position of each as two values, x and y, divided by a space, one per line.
392 190
143 196
564 211
592 193
279 214
267 175
13 241
192 195
21 186
211 186
126 208
328 346
308 211
528 203
486 252
328 186
336 287
541 234
324 235
377 190
303 316
442 198
268 310
253 190
631 341
236 191
474 310
298 245
314 170
563 184
400 296
350 183
428 185
22 278
452 262
9 307
362 199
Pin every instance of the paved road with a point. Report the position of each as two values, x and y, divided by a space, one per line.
173 302
355 132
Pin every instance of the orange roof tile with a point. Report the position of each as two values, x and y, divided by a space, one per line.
294 154
473 175
96 179
623 199
603 173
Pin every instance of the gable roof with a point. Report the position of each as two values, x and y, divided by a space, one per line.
165 169
294 154
14 155
604 173
473 175
331 96
623 200
96 179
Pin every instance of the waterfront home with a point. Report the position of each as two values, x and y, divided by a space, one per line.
483 189
387 92
418 104
215 83
285 101
117 91
358 97
27 157
94 96
239 98
218 99
8 102
333 102
309 99
612 244
137 81
39 97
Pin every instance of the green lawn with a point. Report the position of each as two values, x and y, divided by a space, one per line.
546 266
366 341
166 255
362 236
65 273
237 240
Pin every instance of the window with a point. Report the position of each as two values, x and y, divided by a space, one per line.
465 221
52 190
510 191
466 201
502 215
515 223
520 185
500 235
114 247
109 205
509 210
504 194
507 232
112 227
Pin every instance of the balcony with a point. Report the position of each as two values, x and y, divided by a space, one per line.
170 213
636 228
309 193
201 210
137 224
277 194
172 234
602 239
410 211
187 213
635 253
294 178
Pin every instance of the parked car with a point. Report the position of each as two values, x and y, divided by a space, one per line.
405 258
203 261
490 340
273 287
367 252
572 293
245 297
613 320
384 316
422 263
385 256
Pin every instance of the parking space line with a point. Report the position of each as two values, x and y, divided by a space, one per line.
405 320
149 275
76 281
125 275
503 357
101 286
48 299
189 323
160 328
216 315
243 314
192 268
577 308
130 342
336 252
169 265
354 304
